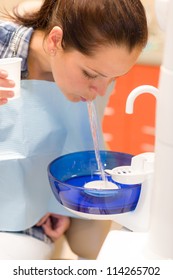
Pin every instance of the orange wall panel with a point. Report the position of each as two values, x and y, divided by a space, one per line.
131 133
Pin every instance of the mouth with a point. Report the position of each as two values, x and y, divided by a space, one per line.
83 99
88 99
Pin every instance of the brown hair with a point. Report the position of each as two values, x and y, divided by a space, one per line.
86 24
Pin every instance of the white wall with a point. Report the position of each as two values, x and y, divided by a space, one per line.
9 4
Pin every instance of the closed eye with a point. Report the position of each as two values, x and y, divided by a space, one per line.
89 76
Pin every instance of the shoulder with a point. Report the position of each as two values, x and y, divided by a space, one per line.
11 33
14 40
7 25
6 29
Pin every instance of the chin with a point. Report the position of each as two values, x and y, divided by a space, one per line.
74 98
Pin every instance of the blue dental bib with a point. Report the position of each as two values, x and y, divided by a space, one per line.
36 128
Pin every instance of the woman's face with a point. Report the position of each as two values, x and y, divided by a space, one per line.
82 78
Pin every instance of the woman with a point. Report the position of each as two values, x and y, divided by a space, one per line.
81 45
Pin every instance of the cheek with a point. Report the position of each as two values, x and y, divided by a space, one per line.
76 80
69 78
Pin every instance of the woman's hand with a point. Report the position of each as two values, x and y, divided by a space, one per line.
54 225
5 83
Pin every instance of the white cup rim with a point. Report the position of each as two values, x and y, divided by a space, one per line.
10 60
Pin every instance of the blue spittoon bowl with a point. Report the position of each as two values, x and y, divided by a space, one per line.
69 173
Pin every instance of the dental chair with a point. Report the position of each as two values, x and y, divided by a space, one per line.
84 237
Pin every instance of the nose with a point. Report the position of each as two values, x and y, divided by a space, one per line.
99 88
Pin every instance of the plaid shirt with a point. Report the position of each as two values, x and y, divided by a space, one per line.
14 41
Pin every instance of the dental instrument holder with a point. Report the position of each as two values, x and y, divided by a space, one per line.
139 219
140 171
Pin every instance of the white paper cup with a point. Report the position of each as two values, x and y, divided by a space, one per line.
13 67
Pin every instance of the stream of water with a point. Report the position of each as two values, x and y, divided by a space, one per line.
94 130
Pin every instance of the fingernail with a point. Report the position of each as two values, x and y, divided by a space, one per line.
3 72
11 94
11 82
3 101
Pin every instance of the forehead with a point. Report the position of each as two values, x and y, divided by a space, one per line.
111 61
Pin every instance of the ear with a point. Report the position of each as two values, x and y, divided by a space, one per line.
55 38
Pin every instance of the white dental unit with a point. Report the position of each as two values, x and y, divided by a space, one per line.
152 238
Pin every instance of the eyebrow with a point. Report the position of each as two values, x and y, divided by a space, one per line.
98 72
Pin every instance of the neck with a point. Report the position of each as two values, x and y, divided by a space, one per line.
38 59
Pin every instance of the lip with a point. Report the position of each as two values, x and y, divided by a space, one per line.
83 99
